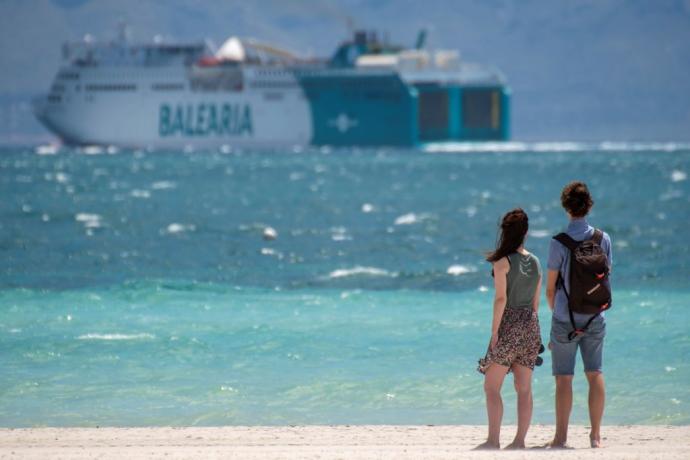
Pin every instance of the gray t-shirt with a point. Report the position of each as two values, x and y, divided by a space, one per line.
521 280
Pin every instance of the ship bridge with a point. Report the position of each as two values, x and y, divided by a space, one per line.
121 53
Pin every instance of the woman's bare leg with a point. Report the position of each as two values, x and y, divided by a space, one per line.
493 380
523 388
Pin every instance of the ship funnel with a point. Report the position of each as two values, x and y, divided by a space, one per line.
421 39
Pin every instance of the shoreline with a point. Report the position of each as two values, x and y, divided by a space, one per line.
338 441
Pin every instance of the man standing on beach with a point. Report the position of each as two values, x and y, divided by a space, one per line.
571 330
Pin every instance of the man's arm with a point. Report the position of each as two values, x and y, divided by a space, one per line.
609 254
551 278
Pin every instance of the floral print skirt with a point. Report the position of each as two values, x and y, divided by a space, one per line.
519 340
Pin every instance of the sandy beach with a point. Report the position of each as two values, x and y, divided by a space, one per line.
332 442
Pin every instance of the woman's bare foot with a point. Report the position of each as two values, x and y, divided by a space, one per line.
595 443
515 445
487 446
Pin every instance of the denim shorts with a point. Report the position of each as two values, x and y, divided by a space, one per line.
563 351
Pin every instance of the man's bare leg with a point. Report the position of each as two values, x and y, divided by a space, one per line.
597 398
564 404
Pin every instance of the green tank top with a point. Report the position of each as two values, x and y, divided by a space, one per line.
522 280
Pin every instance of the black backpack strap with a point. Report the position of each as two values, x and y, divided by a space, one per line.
571 244
598 236
579 331
567 241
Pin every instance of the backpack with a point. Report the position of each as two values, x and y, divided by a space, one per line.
590 290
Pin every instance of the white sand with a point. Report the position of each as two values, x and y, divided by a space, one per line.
330 442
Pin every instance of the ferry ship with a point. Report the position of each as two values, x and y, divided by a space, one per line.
250 93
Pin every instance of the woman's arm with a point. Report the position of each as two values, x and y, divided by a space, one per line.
501 268
537 294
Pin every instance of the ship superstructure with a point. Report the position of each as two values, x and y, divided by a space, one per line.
248 93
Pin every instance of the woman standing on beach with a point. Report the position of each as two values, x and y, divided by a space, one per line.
515 336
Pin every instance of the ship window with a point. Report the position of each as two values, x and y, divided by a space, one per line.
167 86
273 96
217 79
68 75
381 95
433 110
480 108
272 84
54 98
111 87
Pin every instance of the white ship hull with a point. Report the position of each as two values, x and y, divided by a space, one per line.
133 113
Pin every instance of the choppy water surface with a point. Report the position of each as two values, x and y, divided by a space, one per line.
136 287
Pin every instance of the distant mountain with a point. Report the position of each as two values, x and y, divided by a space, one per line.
579 69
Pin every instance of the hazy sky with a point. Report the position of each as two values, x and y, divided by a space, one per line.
579 70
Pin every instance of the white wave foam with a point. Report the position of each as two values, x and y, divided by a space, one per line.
411 218
678 175
271 252
163 185
472 147
644 146
138 193
89 220
143 336
179 228
92 150
358 271
59 177
457 270
340 234
539 233
49 149
558 147
515 146
85 217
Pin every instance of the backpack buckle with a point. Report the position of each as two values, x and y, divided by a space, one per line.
575 333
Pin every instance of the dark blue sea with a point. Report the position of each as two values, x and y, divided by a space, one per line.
137 287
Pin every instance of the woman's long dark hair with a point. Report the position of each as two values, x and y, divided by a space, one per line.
514 226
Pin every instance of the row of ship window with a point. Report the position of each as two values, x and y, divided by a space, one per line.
169 86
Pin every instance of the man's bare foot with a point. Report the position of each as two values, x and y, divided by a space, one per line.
555 444
487 446
595 443
515 445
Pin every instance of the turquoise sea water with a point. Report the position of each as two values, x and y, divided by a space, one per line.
136 287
